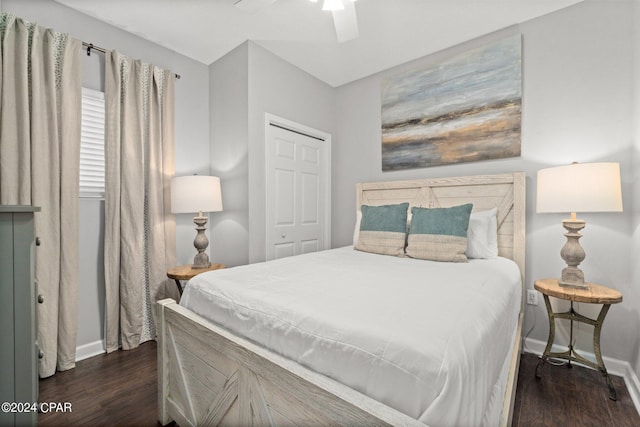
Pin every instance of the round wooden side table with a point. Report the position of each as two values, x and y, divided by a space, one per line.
594 294
187 272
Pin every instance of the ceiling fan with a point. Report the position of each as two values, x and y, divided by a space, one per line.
343 11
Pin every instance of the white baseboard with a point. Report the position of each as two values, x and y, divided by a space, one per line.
633 385
614 366
86 351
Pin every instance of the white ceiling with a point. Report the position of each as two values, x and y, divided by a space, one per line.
391 31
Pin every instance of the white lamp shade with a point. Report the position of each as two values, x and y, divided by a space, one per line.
195 193
579 187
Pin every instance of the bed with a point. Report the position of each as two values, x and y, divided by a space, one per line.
214 372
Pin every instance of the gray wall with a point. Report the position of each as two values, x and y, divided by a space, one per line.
229 78
192 137
577 103
633 299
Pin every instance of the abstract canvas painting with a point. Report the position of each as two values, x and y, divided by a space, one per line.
464 109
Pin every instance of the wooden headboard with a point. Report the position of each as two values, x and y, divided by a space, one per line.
504 191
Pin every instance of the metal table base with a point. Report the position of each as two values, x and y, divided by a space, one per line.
570 355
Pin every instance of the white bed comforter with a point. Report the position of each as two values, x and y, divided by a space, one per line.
426 338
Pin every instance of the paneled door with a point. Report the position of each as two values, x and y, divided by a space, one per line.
297 189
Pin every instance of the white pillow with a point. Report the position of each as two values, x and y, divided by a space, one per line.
356 231
482 234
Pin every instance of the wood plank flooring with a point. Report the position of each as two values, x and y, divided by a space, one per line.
573 396
120 390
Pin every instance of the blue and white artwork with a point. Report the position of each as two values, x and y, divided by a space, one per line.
464 109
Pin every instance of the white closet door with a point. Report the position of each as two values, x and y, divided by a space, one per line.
297 196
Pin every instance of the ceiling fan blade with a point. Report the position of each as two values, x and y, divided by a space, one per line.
253 5
346 22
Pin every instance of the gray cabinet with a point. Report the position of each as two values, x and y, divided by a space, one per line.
18 358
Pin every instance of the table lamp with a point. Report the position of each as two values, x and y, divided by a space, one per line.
196 193
578 187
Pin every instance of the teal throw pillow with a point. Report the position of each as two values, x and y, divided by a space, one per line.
439 234
383 229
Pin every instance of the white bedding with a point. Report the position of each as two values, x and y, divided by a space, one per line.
427 338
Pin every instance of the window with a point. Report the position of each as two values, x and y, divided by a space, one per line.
92 144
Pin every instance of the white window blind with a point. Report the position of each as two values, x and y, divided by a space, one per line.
92 144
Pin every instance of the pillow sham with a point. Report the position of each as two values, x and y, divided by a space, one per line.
482 235
356 230
439 234
383 229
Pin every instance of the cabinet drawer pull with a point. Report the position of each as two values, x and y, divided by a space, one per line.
40 299
40 354
38 242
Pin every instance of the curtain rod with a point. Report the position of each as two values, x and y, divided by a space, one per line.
91 46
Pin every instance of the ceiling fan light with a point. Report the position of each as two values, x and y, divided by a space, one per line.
332 5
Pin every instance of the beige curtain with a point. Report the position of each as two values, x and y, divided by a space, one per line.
40 96
139 228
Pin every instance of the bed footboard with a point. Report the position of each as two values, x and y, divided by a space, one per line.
207 376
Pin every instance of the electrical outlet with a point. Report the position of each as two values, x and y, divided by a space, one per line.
532 297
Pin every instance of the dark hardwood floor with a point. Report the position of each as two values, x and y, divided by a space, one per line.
120 390
573 396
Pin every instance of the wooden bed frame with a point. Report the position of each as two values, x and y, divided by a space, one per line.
209 376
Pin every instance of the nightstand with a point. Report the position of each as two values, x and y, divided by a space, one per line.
187 272
594 294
